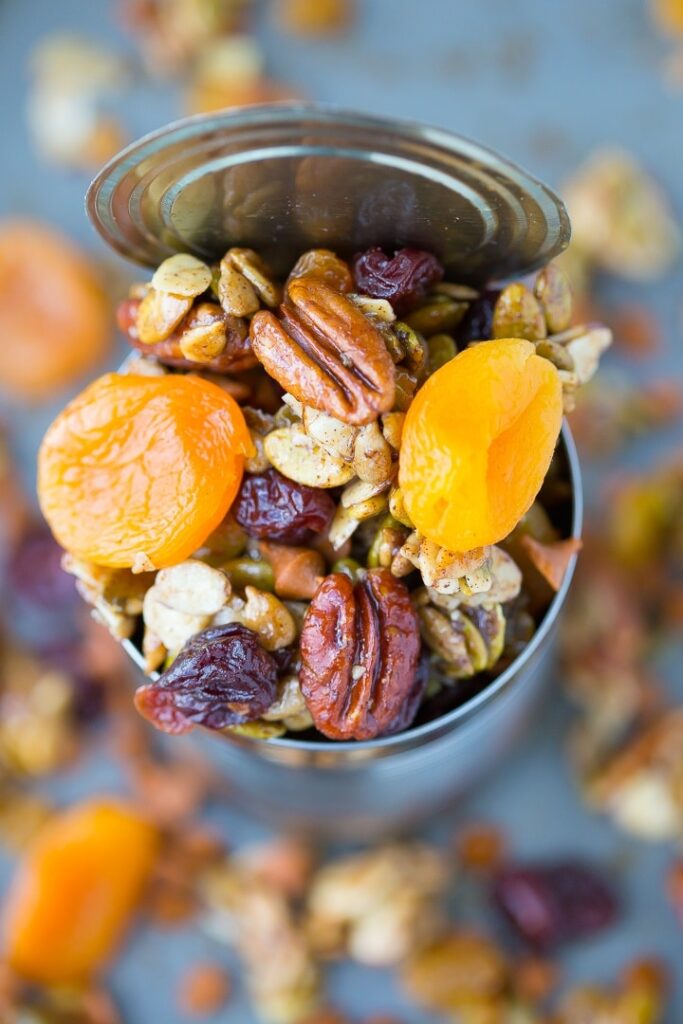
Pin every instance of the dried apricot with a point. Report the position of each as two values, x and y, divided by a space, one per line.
477 443
54 320
75 891
139 470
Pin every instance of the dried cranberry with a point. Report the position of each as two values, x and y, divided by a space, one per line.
271 507
477 323
35 572
550 904
402 278
126 317
222 676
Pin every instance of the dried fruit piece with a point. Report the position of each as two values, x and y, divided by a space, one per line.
297 571
402 278
53 311
359 651
549 904
325 265
325 352
477 443
221 677
204 990
141 465
552 560
272 507
75 892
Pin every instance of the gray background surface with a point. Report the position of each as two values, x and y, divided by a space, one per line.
544 81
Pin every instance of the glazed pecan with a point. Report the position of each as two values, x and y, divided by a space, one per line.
360 645
235 357
325 352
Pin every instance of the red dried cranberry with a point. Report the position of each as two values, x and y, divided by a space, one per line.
35 572
402 278
221 677
477 323
550 904
272 507
126 318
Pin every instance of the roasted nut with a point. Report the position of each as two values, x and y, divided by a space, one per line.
359 651
553 291
585 349
236 295
298 457
335 437
392 428
326 353
441 349
244 572
503 575
460 972
518 314
380 312
158 315
205 338
372 461
260 424
447 572
264 614
387 543
182 274
397 507
289 706
556 353
253 269
165 344
326 266
438 313
183 600
468 641
343 526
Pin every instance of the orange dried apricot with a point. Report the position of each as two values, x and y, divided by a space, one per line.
477 443
138 471
54 315
76 889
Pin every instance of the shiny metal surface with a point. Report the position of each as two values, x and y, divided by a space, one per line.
283 179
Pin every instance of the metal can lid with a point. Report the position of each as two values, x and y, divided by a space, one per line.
286 178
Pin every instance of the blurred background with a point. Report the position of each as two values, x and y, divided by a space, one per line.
589 97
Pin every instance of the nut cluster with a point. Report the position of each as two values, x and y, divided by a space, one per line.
317 603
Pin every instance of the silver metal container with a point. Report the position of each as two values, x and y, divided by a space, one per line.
283 179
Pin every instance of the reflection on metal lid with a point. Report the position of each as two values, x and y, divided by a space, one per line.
283 179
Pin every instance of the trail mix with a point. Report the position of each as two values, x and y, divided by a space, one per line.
328 502
289 915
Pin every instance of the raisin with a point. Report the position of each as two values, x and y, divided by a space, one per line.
555 903
35 572
477 323
402 278
221 677
272 507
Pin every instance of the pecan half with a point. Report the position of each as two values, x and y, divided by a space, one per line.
360 645
326 353
235 357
